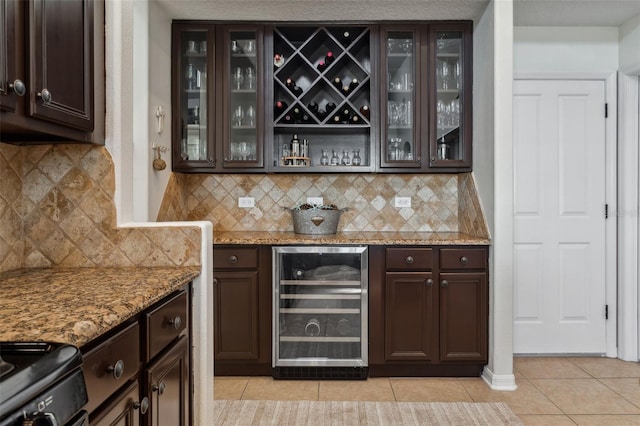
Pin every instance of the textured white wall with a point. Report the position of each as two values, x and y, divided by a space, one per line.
565 50
629 45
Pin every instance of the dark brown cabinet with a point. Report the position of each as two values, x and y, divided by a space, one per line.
428 311
337 98
242 306
123 410
218 97
140 372
51 87
167 387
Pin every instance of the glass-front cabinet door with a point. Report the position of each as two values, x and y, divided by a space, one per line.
400 77
242 98
192 82
450 141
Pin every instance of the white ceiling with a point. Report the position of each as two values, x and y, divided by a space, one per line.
526 12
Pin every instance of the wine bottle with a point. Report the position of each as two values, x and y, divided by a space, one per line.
296 113
312 328
345 114
329 58
306 118
296 90
345 90
336 119
288 119
330 107
279 108
321 66
278 60
355 119
337 82
289 83
313 107
346 38
354 83
365 111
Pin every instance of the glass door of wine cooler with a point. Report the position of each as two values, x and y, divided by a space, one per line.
320 306
401 81
243 94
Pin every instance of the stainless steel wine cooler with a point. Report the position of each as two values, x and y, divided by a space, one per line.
320 312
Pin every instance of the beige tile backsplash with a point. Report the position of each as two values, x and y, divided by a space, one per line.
440 202
56 209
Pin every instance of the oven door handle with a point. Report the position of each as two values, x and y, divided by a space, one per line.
45 419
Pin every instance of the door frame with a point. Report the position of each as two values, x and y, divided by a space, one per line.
611 240
629 224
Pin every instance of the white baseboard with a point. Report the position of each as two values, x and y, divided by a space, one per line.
501 382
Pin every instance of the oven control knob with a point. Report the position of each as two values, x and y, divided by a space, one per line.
40 419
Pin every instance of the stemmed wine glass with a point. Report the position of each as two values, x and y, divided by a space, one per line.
238 78
238 116
444 74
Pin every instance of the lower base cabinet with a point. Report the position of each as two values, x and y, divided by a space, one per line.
242 310
428 311
167 385
139 374
124 410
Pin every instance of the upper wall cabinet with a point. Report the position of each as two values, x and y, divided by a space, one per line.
339 98
51 83
218 98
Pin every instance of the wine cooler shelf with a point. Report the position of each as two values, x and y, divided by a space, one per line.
320 306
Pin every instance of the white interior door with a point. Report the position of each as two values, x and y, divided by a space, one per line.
559 217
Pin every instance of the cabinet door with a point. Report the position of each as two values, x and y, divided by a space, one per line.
242 97
463 316
8 62
236 322
409 316
401 77
124 410
193 118
61 62
450 140
167 387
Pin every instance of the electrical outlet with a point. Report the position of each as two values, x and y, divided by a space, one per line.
316 201
403 201
246 202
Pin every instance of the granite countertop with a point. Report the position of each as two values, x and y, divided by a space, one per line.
77 305
370 238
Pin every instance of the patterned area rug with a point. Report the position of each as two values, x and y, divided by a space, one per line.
314 413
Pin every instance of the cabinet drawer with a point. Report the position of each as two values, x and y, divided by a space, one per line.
463 258
111 364
409 259
166 323
235 258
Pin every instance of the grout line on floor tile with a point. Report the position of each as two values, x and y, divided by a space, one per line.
618 393
546 396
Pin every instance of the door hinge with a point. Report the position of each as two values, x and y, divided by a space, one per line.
606 110
606 211
606 312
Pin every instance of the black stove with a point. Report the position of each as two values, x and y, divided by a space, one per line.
41 384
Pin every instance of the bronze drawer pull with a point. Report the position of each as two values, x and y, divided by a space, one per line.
18 87
176 322
429 282
117 369
444 283
142 405
409 259
464 260
159 388
233 259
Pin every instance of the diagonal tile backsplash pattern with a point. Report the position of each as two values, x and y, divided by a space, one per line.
440 202
56 209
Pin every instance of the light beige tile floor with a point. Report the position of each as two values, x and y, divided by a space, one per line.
551 390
